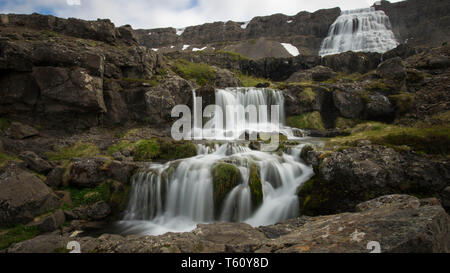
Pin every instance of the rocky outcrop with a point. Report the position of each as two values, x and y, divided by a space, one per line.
345 178
304 30
23 196
318 74
418 22
36 163
398 223
352 62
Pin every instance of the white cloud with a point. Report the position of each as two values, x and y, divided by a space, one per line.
175 13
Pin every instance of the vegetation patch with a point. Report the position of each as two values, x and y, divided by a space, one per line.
250 81
307 95
431 140
201 73
145 150
17 234
255 184
311 120
79 149
345 123
404 102
177 150
233 55
5 158
87 196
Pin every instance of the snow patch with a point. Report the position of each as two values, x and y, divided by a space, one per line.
155 49
180 31
244 26
291 49
172 46
149 33
185 47
199 49
290 21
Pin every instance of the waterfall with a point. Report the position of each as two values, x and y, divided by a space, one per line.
233 124
178 195
366 30
175 196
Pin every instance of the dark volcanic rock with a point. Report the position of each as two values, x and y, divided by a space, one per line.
50 223
98 211
358 174
352 62
18 130
318 73
23 196
399 223
36 163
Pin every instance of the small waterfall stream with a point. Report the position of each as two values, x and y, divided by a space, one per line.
366 30
178 195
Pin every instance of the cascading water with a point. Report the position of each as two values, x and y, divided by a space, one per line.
178 195
367 30
232 125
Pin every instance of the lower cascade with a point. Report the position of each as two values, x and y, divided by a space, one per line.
366 30
225 182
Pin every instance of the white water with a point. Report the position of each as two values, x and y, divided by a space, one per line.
233 125
178 195
366 30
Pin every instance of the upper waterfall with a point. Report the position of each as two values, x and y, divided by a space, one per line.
366 30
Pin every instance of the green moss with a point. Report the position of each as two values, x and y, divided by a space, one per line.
342 76
345 123
61 250
250 81
17 234
431 140
233 55
311 120
255 184
177 150
122 146
304 152
87 196
5 158
225 178
146 150
307 95
119 198
404 102
79 149
199 72
378 85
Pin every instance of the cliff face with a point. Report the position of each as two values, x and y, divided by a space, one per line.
419 22
304 30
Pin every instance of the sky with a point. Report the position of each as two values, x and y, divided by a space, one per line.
173 13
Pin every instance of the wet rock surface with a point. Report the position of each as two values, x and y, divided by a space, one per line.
399 223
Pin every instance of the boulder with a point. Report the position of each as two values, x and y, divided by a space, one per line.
18 130
345 178
35 162
55 177
23 196
225 78
392 70
318 73
98 211
379 107
49 223
349 104
352 62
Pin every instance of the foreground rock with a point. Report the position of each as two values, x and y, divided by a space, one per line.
400 223
23 196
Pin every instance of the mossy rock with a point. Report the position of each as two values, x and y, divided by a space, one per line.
79 149
316 198
171 150
311 120
404 102
225 178
255 185
345 123
304 152
17 234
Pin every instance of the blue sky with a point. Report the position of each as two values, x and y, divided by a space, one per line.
172 13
